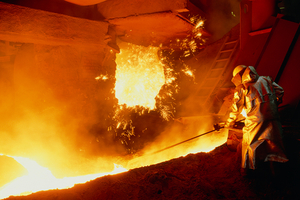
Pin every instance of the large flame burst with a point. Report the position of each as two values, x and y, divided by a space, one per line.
139 76
147 85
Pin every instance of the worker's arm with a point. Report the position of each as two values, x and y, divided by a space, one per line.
278 92
236 107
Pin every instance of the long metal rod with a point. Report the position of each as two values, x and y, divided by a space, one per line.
174 145
183 142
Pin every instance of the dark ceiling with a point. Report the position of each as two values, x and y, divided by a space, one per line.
148 22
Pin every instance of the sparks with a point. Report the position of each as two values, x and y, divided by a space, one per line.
139 76
199 24
102 77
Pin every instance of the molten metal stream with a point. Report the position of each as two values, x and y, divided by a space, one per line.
40 178
139 78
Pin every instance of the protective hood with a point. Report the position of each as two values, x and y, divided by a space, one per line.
250 75
237 74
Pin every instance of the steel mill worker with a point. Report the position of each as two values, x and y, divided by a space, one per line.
262 134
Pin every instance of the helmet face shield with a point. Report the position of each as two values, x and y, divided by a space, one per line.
237 74
238 69
237 79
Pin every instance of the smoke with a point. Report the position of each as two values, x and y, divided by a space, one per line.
222 16
175 141
54 111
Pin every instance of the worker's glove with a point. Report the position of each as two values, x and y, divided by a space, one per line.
278 101
218 126
229 124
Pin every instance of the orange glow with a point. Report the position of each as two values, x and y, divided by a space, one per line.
194 39
102 77
40 178
139 76
188 72
199 24
204 143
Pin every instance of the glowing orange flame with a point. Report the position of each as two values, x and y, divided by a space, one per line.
203 144
139 76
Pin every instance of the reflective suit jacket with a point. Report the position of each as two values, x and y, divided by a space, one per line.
262 133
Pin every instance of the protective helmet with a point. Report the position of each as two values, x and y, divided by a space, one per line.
249 75
237 74
238 69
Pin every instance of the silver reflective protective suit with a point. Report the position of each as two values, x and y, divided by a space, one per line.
262 133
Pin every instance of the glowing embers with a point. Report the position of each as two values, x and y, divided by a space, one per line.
102 77
40 178
139 76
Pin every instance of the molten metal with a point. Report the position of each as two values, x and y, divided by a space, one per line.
40 178
139 76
